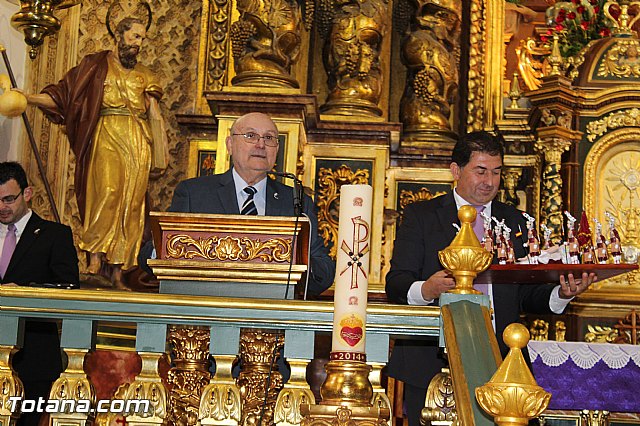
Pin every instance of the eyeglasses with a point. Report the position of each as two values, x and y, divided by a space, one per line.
10 199
253 137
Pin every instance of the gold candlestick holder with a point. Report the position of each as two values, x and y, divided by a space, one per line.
347 398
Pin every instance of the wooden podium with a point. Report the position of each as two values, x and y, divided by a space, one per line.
229 255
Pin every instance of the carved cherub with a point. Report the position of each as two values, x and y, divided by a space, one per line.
547 117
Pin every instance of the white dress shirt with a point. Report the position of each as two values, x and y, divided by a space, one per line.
260 197
20 225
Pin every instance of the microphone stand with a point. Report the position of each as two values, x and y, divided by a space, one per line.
297 211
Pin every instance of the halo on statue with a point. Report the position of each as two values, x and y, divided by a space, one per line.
128 9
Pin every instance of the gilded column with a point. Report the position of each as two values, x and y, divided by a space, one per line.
148 386
552 142
259 381
431 53
294 393
190 373
352 56
10 386
73 384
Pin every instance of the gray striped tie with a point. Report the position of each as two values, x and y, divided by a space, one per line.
249 207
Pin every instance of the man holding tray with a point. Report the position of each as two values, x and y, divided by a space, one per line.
417 277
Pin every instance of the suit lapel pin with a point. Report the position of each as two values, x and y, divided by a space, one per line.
36 232
275 195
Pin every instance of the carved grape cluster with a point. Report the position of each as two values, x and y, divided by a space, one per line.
324 17
241 32
421 85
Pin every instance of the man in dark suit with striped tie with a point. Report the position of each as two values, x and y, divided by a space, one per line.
245 189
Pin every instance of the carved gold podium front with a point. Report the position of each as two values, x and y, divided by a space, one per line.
230 256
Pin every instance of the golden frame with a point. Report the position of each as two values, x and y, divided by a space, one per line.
197 146
379 156
406 174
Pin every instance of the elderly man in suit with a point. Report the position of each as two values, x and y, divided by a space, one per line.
245 189
417 278
37 251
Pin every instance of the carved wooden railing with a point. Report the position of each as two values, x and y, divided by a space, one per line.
297 320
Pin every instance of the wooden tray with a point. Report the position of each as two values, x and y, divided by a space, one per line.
550 273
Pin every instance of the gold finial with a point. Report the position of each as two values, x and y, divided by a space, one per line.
624 23
555 59
465 257
512 396
514 92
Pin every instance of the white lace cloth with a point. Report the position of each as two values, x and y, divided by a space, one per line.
584 355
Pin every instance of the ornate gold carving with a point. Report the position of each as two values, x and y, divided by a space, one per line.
258 352
594 418
477 48
531 62
10 385
624 118
219 11
510 180
266 42
190 373
329 182
465 257
148 385
440 403
601 334
295 393
551 196
352 56
539 330
180 246
220 403
623 23
432 80
73 384
407 197
621 60
512 396
561 330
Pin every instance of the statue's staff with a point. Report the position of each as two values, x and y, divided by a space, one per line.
32 140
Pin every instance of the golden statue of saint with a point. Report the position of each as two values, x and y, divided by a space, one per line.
109 105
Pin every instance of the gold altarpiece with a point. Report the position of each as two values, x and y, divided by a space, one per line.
202 54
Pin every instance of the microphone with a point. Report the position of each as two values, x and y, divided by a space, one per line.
297 190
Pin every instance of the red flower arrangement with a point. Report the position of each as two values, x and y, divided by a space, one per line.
577 22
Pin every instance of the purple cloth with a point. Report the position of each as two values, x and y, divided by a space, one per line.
7 248
597 388
478 229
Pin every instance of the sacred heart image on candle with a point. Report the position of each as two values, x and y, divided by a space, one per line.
351 330
352 274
